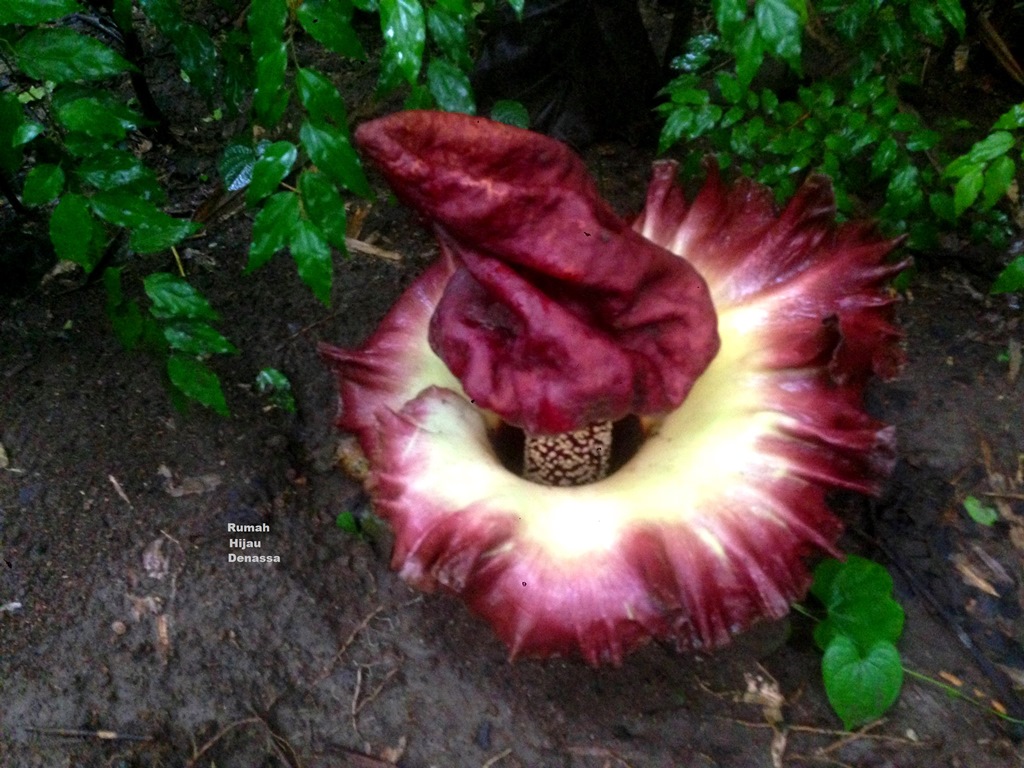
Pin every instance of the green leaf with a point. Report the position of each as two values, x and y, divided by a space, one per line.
992 146
675 127
688 92
197 338
953 12
270 170
517 7
864 619
320 98
922 140
861 686
891 33
730 15
159 232
34 12
266 22
197 55
448 31
312 255
196 381
704 120
904 122
114 168
347 522
324 207
270 97
94 117
173 298
25 132
237 81
904 194
125 316
1011 278
696 55
998 177
749 54
871 94
781 27
73 232
236 166
272 228
196 50
12 118
941 204
1012 119
837 580
43 184
121 208
152 230
511 113
272 382
419 98
63 55
165 14
329 22
884 157
403 24
729 87
332 152
730 118
858 596
450 87
121 11
967 189
922 235
926 18
979 512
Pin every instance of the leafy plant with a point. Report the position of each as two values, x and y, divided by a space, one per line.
861 666
66 129
276 387
848 122
981 513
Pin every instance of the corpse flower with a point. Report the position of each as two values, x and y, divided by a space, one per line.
598 433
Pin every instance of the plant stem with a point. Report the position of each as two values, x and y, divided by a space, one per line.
957 693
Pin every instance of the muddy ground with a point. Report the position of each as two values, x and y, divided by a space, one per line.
128 639
114 510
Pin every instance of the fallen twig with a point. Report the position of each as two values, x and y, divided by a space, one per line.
279 743
1000 681
120 491
329 669
217 737
497 758
1003 495
361 246
357 708
604 752
79 733
862 733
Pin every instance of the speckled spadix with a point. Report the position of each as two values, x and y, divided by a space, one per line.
738 337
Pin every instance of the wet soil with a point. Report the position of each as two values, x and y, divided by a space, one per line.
114 514
127 638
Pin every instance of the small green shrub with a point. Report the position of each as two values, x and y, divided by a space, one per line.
849 123
861 668
66 124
